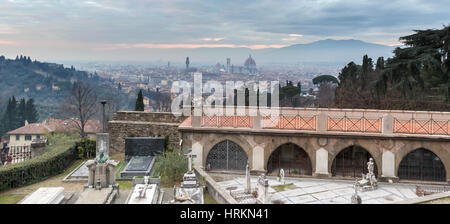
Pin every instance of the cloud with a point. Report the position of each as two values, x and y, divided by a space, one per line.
187 46
256 24
7 42
213 39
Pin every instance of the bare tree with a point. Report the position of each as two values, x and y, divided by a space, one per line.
163 102
81 104
326 94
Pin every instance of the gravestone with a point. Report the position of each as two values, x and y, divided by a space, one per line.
144 192
263 188
138 166
247 177
45 195
143 146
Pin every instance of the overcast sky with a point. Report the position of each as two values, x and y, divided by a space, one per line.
76 29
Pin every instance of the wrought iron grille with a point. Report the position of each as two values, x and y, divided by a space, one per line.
422 164
352 162
227 155
291 158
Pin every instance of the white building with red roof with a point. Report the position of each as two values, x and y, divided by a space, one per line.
35 131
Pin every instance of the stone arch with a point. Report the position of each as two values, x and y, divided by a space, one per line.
272 146
359 167
292 158
215 139
435 151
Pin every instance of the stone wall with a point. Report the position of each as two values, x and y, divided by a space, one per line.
38 148
143 124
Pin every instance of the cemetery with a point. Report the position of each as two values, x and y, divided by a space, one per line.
135 175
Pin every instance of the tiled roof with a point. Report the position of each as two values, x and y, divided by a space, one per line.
51 125
33 128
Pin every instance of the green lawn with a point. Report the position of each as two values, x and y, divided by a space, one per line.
125 184
11 198
208 199
284 187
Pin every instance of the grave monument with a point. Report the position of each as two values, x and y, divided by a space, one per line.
369 181
189 192
262 189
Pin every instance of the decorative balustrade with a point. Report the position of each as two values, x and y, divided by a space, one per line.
17 154
336 120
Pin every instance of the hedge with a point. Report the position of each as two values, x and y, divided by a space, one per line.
58 157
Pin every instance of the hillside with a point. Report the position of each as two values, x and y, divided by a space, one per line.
46 83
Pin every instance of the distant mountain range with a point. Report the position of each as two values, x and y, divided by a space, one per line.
332 52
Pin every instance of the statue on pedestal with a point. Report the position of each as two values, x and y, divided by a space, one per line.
369 181
101 170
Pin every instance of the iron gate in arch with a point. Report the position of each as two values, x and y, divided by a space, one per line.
421 164
352 162
227 155
291 158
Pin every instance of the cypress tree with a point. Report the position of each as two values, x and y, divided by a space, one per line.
31 114
139 102
21 112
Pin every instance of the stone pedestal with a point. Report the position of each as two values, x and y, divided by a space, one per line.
105 173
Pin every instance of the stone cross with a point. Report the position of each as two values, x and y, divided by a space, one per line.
190 157
247 177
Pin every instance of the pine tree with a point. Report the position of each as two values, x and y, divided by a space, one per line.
139 102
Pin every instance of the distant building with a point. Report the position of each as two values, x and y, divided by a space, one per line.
36 131
250 65
248 68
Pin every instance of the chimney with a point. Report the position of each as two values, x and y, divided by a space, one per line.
26 122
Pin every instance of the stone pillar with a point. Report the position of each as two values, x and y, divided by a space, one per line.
101 173
102 137
258 160
196 121
387 124
257 124
388 165
321 124
111 167
321 163
91 178
197 149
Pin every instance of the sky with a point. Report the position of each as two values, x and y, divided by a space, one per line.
95 30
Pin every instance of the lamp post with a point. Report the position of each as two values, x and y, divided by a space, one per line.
103 102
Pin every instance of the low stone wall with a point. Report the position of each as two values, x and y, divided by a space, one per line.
163 117
37 148
425 199
143 124
214 190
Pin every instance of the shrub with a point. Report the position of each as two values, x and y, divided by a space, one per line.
60 153
86 148
171 165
